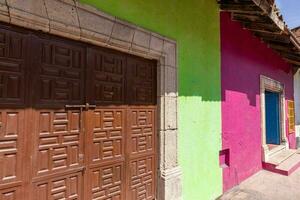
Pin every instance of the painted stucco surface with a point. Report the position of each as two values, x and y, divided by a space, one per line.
297 104
194 24
244 58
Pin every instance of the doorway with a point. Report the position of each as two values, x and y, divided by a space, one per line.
272 96
76 121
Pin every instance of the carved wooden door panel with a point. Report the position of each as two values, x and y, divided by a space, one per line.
58 131
13 102
107 127
106 166
141 160
122 129
141 129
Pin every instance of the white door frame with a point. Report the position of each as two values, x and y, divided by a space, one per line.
268 84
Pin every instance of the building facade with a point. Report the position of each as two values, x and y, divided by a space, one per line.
246 62
135 99
106 91
259 57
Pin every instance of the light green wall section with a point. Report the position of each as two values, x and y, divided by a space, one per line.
194 24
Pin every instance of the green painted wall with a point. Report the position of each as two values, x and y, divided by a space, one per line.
194 24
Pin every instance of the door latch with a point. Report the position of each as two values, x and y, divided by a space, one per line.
88 106
82 106
81 157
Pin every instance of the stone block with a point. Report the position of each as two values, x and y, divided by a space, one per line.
156 44
169 184
170 81
161 147
141 41
4 15
161 79
94 24
93 37
122 35
169 50
63 18
29 13
170 113
161 113
170 149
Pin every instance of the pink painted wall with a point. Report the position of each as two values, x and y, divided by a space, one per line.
244 59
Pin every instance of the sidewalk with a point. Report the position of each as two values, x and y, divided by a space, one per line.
266 185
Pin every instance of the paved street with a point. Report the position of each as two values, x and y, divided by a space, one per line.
267 186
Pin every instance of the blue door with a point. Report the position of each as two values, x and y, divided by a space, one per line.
272 117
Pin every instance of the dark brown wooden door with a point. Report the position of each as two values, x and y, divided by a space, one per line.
58 138
141 129
122 163
13 118
76 121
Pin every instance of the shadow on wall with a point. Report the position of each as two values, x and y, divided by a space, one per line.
244 58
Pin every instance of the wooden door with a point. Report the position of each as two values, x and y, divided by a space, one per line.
77 122
107 126
141 131
58 138
13 106
122 141
272 117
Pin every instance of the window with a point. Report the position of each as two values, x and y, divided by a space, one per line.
291 116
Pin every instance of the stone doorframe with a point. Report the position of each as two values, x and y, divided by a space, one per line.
268 84
73 20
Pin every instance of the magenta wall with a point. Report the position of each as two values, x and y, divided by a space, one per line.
244 59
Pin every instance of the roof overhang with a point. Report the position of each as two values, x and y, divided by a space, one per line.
296 32
263 19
